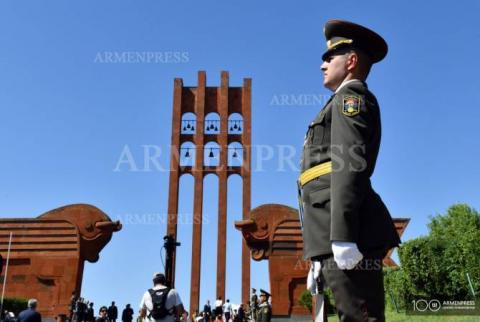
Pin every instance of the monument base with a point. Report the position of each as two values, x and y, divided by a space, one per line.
292 318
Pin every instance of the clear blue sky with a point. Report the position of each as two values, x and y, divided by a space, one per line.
66 116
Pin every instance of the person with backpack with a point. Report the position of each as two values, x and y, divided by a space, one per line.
161 303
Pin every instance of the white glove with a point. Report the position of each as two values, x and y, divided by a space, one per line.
346 254
313 274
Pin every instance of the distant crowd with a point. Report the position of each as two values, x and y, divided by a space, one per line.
159 304
82 310
222 312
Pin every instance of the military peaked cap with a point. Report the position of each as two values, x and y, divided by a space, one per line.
263 292
344 34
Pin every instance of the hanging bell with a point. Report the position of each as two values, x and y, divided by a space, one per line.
188 125
210 155
231 129
216 129
239 128
235 126
193 129
184 129
234 153
187 154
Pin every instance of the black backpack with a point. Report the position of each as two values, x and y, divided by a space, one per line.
159 298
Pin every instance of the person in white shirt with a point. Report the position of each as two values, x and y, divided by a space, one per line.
227 310
173 303
218 306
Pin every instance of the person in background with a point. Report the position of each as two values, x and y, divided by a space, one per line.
173 303
240 314
90 313
194 316
253 305
71 307
30 314
103 315
9 317
227 310
79 310
112 312
264 309
185 317
142 313
207 309
218 306
127 314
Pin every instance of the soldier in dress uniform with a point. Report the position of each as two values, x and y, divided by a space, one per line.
346 226
264 312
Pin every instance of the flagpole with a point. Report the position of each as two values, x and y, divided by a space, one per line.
6 272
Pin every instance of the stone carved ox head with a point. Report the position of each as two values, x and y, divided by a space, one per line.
94 226
259 231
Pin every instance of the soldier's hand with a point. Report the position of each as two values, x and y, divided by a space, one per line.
346 254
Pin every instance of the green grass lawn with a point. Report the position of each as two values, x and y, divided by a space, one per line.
402 317
392 316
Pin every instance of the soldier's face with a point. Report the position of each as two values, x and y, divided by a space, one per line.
334 70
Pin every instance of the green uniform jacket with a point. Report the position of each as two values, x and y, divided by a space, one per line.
342 205
264 313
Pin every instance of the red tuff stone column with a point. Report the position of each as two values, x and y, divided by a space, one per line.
222 102
246 175
198 193
174 168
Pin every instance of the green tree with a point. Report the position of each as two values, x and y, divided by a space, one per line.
305 300
14 305
436 265
459 230
396 288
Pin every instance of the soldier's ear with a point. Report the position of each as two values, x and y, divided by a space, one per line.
352 61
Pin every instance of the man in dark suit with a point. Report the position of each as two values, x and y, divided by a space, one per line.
112 313
30 314
207 309
240 316
346 226
127 314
